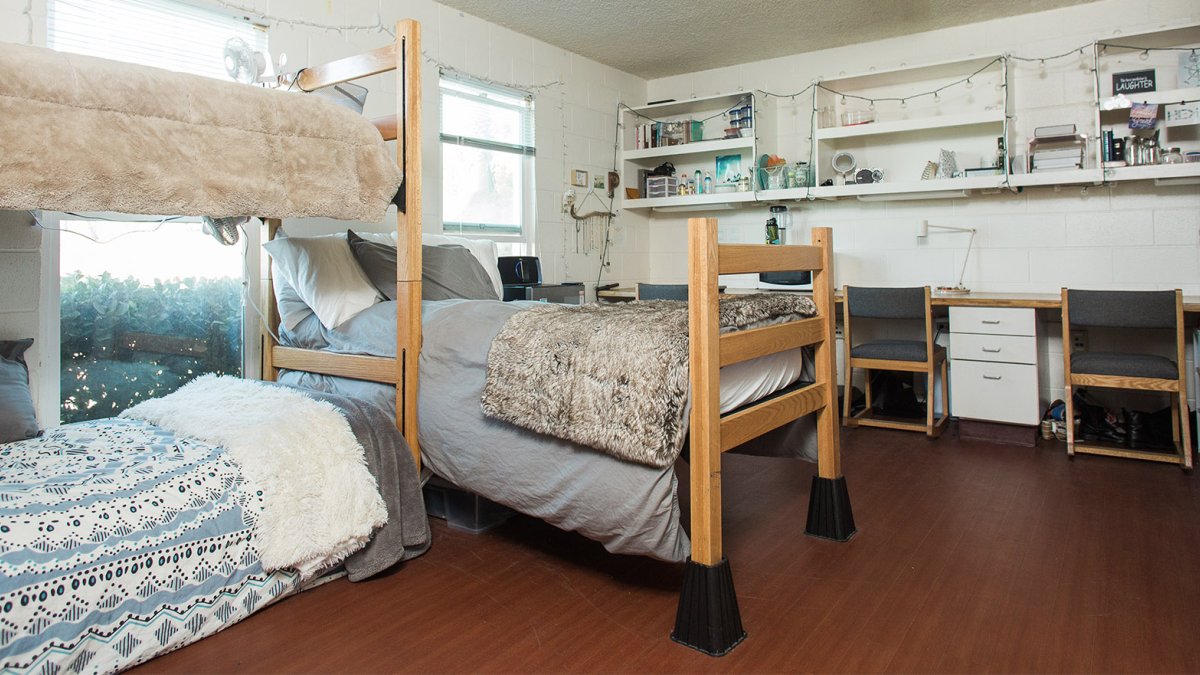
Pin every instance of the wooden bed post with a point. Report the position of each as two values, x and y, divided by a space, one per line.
708 618
270 226
408 233
829 513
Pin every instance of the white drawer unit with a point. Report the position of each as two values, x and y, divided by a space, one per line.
993 364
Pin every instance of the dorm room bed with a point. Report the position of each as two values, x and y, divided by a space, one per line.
708 618
124 538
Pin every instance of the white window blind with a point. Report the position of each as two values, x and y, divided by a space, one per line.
487 158
160 33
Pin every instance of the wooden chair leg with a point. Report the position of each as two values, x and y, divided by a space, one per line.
930 387
867 386
945 391
848 372
1069 418
1175 421
1185 430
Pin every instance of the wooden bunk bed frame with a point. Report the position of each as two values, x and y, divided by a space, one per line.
708 618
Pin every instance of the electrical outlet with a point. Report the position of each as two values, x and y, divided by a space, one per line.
837 332
1079 341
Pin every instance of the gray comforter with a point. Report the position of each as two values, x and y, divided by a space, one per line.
629 508
406 534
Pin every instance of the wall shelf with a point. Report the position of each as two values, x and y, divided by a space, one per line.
1051 178
903 126
1153 172
717 200
910 187
690 149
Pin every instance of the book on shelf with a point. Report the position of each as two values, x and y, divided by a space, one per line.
1053 164
1056 153
1054 130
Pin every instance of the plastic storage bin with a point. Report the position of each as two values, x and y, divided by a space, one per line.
462 510
662 186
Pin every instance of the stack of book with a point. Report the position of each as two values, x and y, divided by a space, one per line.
1056 148
1058 158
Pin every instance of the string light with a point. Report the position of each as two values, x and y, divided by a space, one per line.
871 106
529 88
903 103
377 27
968 85
1144 55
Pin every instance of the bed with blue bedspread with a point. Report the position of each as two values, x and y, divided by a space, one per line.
122 539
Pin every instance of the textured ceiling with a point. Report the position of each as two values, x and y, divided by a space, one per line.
656 38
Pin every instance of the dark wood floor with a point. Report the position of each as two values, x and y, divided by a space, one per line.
970 557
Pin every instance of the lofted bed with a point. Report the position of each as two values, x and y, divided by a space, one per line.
708 617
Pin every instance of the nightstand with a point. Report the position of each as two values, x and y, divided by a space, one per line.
566 294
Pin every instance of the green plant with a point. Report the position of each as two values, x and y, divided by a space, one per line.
123 342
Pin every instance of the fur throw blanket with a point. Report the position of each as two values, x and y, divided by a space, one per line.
612 376
132 139
320 502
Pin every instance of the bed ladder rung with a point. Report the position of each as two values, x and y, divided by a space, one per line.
744 345
355 366
350 68
388 126
745 258
741 426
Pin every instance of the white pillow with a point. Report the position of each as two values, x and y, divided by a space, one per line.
484 251
325 275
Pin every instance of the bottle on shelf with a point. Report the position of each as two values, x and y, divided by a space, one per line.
708 182
699 183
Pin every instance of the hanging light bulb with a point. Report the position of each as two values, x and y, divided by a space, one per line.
969 84
871 105
843 99
903 103
937 98
1043 64
1144 55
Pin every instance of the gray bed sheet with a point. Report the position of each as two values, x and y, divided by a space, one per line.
629 508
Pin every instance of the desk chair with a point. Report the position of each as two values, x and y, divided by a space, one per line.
662 292
914 356
1124 370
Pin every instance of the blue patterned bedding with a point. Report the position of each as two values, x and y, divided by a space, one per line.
159 533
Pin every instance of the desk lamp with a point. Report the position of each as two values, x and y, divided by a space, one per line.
958 289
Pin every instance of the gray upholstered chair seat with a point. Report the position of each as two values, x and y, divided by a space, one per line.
893 350
1127 365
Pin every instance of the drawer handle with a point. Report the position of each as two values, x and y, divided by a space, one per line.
992 377
991 322
991 351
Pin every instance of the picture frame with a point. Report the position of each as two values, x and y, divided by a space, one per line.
1134 82
729 168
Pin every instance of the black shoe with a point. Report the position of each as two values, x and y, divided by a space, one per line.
1138 435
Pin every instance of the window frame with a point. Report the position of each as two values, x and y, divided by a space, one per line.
522 242
48 396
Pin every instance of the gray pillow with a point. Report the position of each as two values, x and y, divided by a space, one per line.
446 272
17 418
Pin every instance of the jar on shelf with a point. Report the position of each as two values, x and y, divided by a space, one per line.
1172 156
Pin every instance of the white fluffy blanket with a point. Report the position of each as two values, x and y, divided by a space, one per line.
320 503
80 133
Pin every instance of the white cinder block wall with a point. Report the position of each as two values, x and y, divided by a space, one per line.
1131 236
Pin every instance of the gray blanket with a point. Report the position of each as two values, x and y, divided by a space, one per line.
406 534
611 376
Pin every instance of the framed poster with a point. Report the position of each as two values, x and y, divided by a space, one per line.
1133 82
729 168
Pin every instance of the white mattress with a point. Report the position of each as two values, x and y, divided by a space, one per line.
748 381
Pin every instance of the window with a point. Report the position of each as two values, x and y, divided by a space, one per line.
144 307
160 33
487 162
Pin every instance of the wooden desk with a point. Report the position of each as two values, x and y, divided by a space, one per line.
1191 303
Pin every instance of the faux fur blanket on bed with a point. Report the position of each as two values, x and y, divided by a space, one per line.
612 376
86 134
320 503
